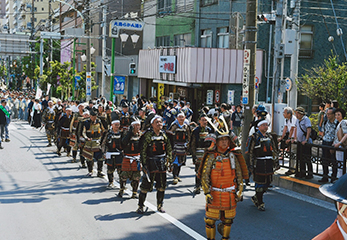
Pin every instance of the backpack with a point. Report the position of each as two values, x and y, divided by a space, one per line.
313 134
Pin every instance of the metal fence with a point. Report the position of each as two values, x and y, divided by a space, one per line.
315 155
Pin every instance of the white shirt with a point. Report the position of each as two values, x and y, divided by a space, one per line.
290 123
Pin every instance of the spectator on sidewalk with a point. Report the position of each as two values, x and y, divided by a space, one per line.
236 118
328 130
338 193
302 136
287 135
340 136
321 118
327 106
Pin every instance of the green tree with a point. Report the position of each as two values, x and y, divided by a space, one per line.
328 81
3 70
80 92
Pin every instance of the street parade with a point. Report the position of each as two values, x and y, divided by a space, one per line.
148 150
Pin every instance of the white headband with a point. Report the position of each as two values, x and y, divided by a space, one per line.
155 117
86 113
262 122
136 122
115 121
68 109
181 113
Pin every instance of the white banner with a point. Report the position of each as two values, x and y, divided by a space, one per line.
38 93
48 88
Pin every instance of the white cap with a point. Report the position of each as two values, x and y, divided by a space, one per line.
86 113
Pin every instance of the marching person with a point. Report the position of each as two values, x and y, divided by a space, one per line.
113 152
76 119
180 137
3 120
36 114
338 193
155 155
48 117
64 131
222 172
81 139
124 118
131 162
92 133
198 145
263 153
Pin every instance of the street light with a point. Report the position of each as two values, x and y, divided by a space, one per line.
124 38
92 50
84 57
134 39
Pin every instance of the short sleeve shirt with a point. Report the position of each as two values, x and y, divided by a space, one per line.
343 125
328 128
290 123
301 127
236 118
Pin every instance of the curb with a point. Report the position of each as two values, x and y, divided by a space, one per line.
309 188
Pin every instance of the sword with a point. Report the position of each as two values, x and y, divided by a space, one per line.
145 171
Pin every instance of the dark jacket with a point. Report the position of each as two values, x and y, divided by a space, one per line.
2 117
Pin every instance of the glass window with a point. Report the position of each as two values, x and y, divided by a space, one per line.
306 42
164 6
208 2
163 41
183 40
206 38
223 37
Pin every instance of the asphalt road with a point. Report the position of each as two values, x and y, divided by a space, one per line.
43 196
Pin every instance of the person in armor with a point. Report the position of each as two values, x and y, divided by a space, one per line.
198 145
108 111
92 132
171 116
81 139
64 131
263 153
261 114
175 106
113 152
131 162
102 116
58 109
166 114
155 156
124 118
180 137
48 117
142 117
77 117
221 172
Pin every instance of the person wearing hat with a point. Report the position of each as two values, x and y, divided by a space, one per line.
338 193
76 119
64 131
113 152
124 118
131 162
198 145
92 132
179 134
221 172
261 115
156 153
302 137
263 153
103 116
48 117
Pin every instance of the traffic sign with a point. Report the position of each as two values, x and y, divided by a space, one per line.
289 84
119 85
77 78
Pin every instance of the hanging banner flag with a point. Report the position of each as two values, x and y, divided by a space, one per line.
48 88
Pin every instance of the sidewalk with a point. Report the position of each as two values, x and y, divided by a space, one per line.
303 186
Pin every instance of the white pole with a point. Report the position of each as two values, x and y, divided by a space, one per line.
103 80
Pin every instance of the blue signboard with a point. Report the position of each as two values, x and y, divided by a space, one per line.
119 85
245 100
77 78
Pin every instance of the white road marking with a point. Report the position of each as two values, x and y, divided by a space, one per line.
305 198
169 218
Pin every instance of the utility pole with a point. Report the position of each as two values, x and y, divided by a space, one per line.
103 80
278 51
250 47
51 40
278 56
88 28
32 37
294 60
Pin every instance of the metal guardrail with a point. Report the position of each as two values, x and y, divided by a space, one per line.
315 158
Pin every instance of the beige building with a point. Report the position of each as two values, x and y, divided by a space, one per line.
19 16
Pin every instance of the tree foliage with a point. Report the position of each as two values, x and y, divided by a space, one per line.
326 82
